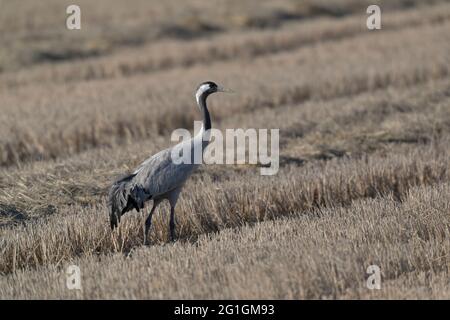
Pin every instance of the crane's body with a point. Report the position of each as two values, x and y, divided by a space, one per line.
158 177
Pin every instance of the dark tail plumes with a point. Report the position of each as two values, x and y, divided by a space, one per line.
125 195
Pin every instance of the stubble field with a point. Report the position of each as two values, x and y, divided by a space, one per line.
364 119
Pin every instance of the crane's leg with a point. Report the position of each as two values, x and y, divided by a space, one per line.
172 223
148 222
173 198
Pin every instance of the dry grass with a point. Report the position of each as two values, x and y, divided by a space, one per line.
35 34
321 254
364 132
231 204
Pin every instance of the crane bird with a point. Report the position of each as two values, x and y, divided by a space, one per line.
158 177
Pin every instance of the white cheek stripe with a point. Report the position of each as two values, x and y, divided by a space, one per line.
200 91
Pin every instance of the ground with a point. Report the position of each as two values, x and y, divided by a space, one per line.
364 119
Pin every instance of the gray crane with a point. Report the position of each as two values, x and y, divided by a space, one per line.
158 177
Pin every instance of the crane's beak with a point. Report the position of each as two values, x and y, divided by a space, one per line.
226 90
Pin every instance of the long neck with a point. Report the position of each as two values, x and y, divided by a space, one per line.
201 100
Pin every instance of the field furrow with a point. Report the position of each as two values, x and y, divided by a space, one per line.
363 162
70 119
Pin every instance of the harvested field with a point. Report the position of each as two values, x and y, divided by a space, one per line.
364 177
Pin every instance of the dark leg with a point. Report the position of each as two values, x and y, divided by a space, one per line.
148 222
172 223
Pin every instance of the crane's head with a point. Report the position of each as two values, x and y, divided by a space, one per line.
209 87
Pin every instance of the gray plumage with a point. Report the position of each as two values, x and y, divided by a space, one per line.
158 177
